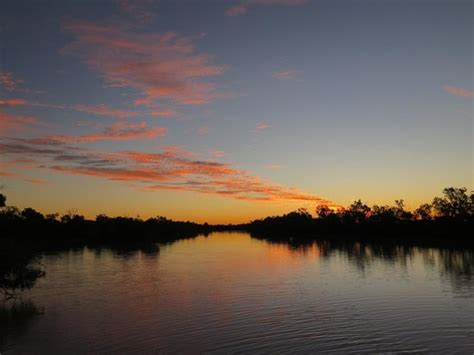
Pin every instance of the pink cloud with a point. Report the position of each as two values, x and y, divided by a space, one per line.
9 121
163 113
144 101
262 125
119 131
236 10
7 174
139 10
218 153
171 169
12 102
458 91
243 6
159 65
174 151
113 173
104 110
101 110
9 82
284 74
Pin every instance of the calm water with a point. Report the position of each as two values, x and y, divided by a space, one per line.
230 293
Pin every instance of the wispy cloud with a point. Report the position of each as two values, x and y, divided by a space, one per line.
284 74
34 181
237 10
458 91
141 11
104 110
262 125
276 166
48 105
144 101
171 169
12 102
243 6
8 82
7 174
159 65
218 153
101 110
163 113
119 131
37 181
10 121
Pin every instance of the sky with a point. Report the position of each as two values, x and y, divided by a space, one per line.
223 111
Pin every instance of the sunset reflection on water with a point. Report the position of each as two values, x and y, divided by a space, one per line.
231 292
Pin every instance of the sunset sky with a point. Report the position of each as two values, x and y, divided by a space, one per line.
230 110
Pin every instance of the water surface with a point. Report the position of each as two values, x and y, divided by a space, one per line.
228 292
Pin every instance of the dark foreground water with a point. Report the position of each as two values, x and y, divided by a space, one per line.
230 293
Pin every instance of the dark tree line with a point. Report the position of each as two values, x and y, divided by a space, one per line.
454 211
450 217
24 234
72 228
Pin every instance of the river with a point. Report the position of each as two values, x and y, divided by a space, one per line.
229 292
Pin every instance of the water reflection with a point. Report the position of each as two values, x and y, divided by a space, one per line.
150 249
15 318
453 263
230 292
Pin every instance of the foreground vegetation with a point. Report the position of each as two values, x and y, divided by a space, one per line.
24 234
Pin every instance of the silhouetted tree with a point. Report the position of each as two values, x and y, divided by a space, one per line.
323 211
400 211
18 276
52 216
423 212
303 212
3 200
455 204
383 214
72 217
31 215
357 212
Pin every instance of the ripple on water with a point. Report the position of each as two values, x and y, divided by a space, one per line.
231 293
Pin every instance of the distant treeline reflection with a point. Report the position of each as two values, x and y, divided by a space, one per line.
455 262
26 233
